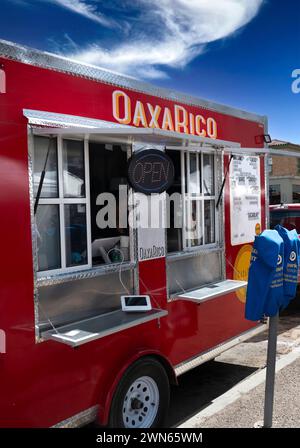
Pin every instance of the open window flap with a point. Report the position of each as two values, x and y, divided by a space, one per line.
260 151
88 330
38 119
47 123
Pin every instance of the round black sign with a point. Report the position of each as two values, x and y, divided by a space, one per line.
150 171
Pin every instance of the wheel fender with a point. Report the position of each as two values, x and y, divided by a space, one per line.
104 413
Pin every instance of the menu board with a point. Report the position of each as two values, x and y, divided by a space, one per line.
245 199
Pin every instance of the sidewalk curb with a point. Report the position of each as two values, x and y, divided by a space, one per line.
238 391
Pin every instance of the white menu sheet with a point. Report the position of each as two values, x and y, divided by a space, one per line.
245 199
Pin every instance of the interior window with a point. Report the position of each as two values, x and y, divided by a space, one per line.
108 168
76 236
42 147
208 175
174 207
296 194
275 194
73 169
194 175
48 237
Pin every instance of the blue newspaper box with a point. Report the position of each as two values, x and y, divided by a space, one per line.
265 280
290 263
273 273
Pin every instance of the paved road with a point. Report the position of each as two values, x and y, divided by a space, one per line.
248 409
200 386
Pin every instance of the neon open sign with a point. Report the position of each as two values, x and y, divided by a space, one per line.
150 171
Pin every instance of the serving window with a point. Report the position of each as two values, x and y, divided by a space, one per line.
192 224
108 174
69 178
195 257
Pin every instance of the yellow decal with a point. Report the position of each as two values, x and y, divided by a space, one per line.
257 229
241 269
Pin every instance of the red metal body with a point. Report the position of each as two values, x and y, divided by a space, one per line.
42 384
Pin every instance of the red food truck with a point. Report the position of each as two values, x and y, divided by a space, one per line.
79 143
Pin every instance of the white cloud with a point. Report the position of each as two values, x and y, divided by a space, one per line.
85 9
169 33
162 33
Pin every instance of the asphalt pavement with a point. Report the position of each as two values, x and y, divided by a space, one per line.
242 405
247 411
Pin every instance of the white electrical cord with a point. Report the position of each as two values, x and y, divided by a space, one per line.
120 270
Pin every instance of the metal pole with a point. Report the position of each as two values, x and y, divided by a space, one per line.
270 375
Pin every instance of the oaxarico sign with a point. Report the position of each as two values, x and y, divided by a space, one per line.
175 118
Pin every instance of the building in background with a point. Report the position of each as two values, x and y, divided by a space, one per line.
284 172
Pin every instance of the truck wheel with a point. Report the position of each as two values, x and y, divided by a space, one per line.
142 397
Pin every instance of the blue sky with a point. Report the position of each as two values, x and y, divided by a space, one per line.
238 52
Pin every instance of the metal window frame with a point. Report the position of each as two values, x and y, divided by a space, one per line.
61 201
205 249
200 199
61 275
99 130
55 277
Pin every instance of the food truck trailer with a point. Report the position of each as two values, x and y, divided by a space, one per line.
78 142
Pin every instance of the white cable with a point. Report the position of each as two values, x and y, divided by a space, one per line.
180 286
123 259
48 319
152 293
238 272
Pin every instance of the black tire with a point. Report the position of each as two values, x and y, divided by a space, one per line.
146 367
